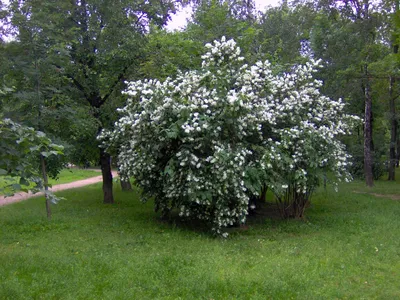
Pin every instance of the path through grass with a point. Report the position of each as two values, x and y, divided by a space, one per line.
65 176
348 248
71 175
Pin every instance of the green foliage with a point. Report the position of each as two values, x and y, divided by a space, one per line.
353 40
68 59
283 32
20 149
41 96
166 53
379 165
214 19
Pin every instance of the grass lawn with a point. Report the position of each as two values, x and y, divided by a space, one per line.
349 248
65 176
70 175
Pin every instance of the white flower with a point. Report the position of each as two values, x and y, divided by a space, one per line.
242 118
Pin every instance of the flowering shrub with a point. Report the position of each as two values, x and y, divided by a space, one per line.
304 144
207 140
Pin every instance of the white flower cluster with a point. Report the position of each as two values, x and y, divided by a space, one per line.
304 143
190 142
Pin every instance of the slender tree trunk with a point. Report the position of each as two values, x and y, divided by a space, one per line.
392 105
368 133
46 186
126 185
105 162
39 124
398 152
393 131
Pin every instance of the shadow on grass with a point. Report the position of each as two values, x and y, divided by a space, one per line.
327 211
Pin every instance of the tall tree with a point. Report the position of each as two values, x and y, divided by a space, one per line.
283 33
238 9
166 53
213 19
96 45
29 60
393 159
350 47
104 49
362 11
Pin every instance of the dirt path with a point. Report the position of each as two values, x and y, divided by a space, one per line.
56 188
388 196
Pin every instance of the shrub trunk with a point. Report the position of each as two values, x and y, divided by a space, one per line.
292 203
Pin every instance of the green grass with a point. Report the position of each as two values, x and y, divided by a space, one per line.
349 248
65 176
70 175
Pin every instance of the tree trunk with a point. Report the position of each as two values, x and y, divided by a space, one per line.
398 152
293 204
393 132
126 185
263 193
46 186
105 162
392 105
368 133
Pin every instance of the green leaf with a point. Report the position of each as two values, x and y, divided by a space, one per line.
16 186
45 154
172 134
168 170
57 147
3 172
41 134
23 181
34 148
19 168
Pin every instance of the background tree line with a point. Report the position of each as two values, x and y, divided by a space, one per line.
64 68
